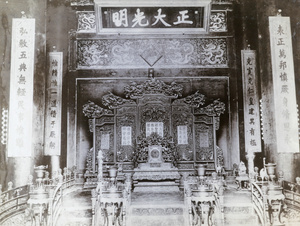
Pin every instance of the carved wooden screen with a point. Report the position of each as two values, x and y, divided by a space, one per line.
104 137
184 121
205 140
126 133
155 108
182 116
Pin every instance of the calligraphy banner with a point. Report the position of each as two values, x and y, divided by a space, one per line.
21 88
286 118
251 102
53 112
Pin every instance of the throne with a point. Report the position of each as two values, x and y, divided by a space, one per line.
156 166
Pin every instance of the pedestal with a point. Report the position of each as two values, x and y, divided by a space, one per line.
55 164
250 158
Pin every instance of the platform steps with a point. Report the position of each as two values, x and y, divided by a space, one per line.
157 209
238 207
76 209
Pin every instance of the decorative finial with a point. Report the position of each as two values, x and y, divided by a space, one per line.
54 48
248 47
151 73
23 14
279 12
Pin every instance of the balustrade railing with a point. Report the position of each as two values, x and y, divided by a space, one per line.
13 201
292 194
267 194
259 202
36 203
56 193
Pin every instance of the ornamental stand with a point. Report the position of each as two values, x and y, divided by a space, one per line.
38 199
275 202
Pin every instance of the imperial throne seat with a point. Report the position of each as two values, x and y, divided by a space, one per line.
155 174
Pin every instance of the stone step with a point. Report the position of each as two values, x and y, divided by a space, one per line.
156 221
240 219
239 209
78 212
156 210
75 222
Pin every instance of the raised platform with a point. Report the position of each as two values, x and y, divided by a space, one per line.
158 177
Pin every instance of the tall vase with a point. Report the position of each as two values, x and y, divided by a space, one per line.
271 169
112 172
201 170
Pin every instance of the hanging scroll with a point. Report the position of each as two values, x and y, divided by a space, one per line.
251 102
286 119
53 118
21 88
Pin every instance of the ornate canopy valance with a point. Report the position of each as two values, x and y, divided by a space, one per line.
154 87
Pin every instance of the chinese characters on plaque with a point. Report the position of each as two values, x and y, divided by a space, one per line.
133 17
126 135
141 18
251 102
155 127
286 119
53 110
21 88
105 141
182 136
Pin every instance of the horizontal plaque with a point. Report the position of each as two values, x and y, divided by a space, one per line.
140 17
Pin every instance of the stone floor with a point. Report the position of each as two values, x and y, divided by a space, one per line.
160 209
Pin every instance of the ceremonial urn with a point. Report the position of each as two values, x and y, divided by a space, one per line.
201 170
40 174
112 171
271 170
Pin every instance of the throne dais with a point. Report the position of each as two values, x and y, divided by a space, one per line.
156 174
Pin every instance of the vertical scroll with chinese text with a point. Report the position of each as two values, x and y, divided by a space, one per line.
286 119
251 102
53 111
21 88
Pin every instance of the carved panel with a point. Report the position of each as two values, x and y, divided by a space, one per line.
204 118
214 109
125 152
124 110
204 142
218 21
108 154
181 115
92 110
186 166
195 100
104 119
153 86
138 53
86 21
113 101
155 113
91 125
220 156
